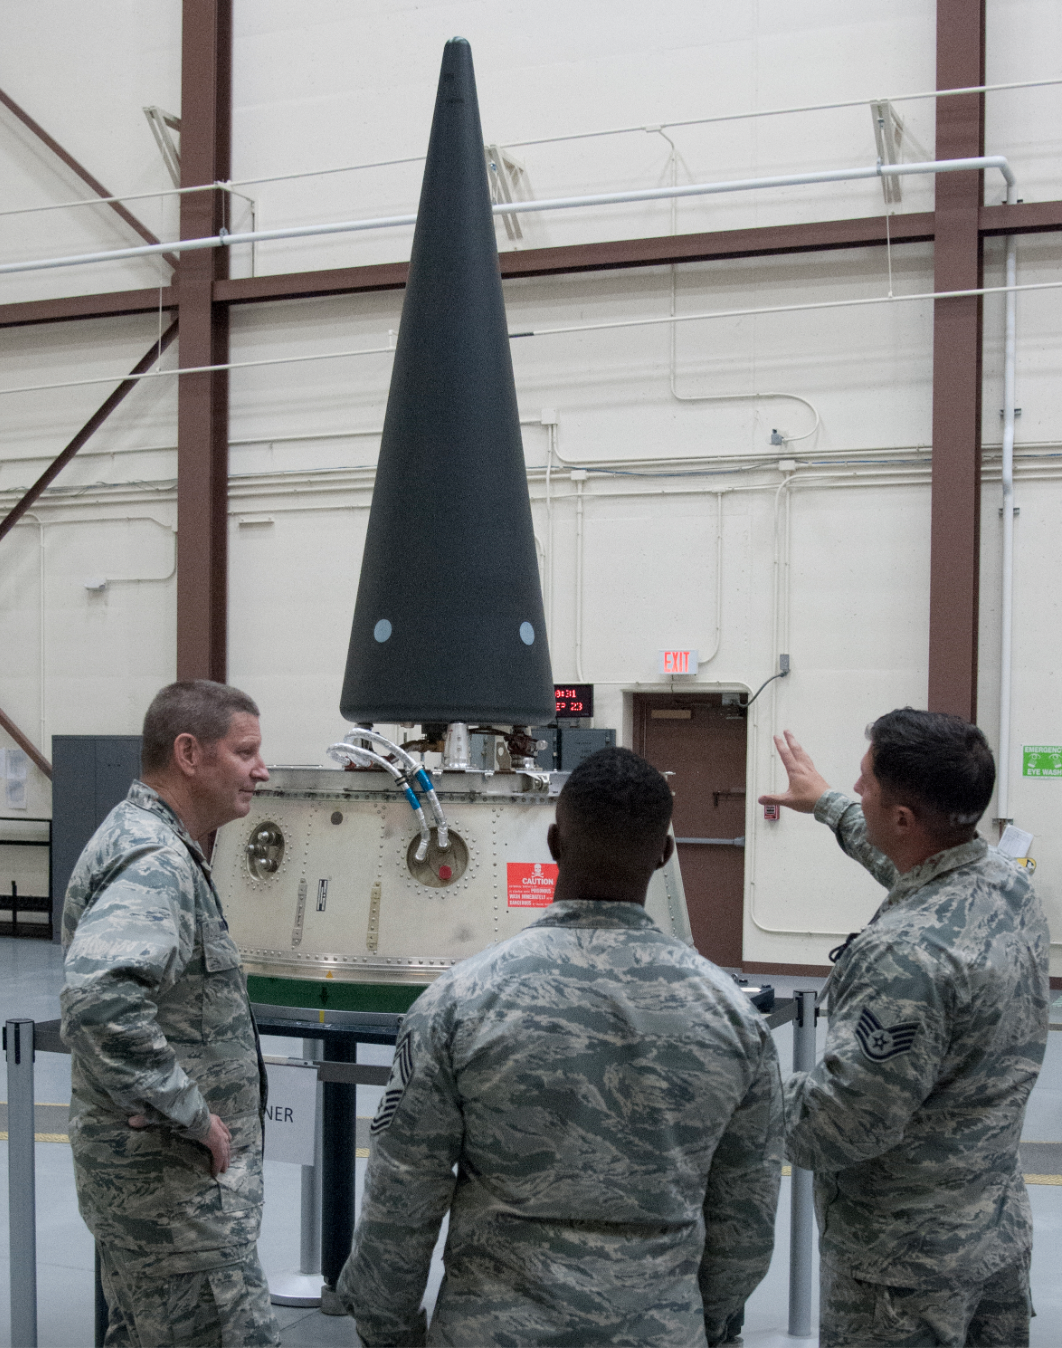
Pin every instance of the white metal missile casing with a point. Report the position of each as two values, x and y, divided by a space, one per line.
342 902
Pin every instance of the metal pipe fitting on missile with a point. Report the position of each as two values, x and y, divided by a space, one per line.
441 826
364 758
458 747
414 771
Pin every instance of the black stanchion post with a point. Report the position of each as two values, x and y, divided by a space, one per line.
802 1211
339 1135
21 1182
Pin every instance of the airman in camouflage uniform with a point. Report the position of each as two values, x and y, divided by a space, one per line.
156 1014
911 1121
598 1109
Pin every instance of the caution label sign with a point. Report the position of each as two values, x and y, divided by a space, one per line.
531 883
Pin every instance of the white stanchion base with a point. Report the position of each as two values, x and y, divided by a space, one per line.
296 1289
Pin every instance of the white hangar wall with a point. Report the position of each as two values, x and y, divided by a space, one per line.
828 562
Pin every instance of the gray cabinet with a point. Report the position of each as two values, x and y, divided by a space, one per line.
90 775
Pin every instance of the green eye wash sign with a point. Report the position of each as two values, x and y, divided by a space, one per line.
1041 760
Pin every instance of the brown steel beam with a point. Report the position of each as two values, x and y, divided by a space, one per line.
111 304
86 177
202 399
772 240
1027 217
88 430
1039 217
25 744
957 258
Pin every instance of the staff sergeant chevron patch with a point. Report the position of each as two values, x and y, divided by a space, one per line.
396 1087
878 1043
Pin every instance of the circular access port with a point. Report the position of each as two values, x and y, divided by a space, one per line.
438 869
265 851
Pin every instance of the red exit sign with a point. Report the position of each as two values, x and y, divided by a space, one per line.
677 662
574 700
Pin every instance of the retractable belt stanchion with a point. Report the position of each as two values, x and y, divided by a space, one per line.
325 1247
340 1124
312 1188
802 1210
21 1182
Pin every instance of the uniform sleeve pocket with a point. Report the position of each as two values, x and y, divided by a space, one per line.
219 949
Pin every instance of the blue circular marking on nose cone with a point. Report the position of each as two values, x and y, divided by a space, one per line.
382 630
527 634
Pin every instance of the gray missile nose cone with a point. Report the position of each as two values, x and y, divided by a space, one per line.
448 623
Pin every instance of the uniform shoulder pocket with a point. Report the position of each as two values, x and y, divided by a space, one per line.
219 949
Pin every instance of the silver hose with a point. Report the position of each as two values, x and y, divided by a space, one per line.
413 768
343 751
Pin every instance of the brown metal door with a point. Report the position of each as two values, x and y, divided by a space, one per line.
702 745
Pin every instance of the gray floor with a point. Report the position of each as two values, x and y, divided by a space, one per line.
30 975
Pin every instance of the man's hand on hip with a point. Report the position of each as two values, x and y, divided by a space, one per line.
216 1141
806 784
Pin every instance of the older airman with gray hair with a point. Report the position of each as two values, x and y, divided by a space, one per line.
167 1081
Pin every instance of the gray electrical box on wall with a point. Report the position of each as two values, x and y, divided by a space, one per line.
577 745
90 775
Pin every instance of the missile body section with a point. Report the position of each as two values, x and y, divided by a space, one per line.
329 906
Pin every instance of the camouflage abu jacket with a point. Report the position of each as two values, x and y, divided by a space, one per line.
613 1109
156 1014
938 1023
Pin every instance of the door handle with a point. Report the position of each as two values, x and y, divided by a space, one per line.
714 842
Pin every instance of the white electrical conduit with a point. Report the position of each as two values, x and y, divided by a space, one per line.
580 482
718 581
549 332
227 184
839 479
718 493
414 769
750 397
728 397
229 240
1006 606
365 758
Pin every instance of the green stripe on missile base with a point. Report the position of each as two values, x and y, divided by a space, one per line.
328 996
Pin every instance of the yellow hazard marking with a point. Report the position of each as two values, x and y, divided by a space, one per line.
362 1153
46 1137
320 1016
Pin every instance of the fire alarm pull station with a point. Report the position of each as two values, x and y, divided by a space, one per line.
772 812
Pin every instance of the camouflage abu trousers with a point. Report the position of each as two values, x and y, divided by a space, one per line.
991 1314
150 1306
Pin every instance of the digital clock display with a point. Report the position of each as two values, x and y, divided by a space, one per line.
574 700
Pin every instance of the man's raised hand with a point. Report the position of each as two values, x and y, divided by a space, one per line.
806 784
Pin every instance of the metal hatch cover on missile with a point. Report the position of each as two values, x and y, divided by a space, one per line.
448 624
